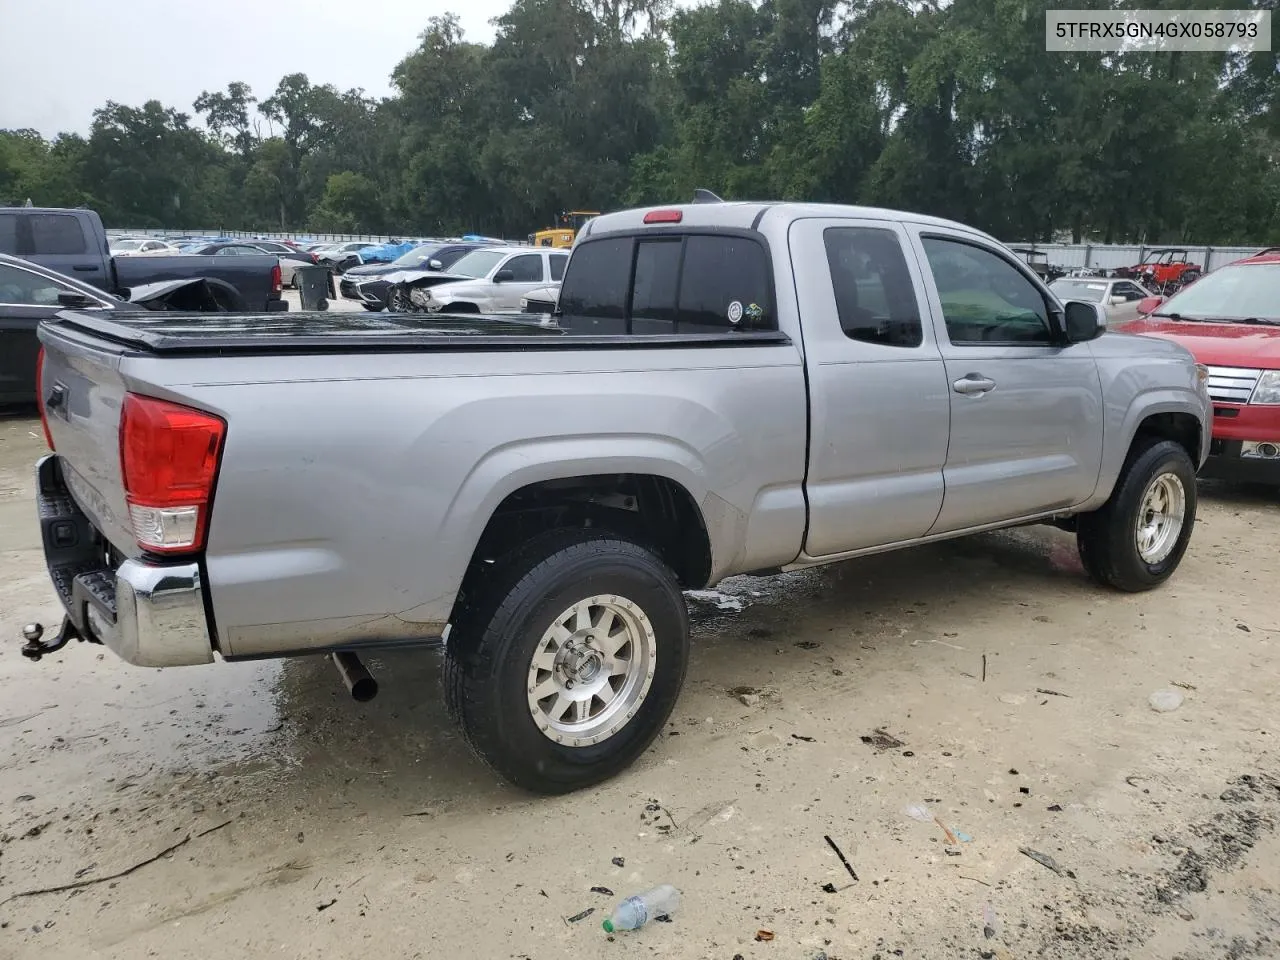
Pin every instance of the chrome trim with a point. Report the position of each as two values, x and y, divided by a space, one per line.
160 618
1232 384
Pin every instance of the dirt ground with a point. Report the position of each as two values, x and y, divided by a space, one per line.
985 679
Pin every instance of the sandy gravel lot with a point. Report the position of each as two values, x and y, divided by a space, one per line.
349 830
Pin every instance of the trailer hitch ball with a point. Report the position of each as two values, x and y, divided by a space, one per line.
32 632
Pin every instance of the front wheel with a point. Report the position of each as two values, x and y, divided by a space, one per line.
563 665
1136 540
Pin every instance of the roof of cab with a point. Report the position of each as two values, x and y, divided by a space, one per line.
744 215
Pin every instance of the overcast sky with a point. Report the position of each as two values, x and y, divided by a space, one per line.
63 58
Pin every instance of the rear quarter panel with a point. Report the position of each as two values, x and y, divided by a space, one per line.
351 497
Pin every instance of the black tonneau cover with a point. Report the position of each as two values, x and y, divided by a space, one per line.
322 332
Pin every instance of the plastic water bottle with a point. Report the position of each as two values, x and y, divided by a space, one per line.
634 912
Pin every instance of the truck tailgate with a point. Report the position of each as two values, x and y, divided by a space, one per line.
83 392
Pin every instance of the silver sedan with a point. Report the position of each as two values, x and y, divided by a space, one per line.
1119 298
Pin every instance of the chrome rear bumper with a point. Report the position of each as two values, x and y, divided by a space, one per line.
148 614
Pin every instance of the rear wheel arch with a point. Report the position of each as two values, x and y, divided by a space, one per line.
226 294
652 510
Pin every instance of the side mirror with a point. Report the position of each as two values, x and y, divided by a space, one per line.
503 276
434 265
74 299
1148 305
1084 321
1118 301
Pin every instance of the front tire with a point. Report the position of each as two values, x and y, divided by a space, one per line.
564 663
372 307
1136 540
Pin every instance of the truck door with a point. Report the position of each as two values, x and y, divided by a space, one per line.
878 395
64 242
1026 409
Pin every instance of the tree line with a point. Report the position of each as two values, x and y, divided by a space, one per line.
954 110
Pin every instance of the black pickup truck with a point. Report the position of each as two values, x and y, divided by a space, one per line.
74 243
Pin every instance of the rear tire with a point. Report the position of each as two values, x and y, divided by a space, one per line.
512 640
1136 540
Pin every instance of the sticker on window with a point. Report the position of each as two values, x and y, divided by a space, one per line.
735 311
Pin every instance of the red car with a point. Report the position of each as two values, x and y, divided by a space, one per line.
1230 321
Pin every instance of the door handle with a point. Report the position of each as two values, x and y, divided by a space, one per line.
83 268
973 384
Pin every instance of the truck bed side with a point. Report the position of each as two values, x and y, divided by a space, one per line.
248 277
355 486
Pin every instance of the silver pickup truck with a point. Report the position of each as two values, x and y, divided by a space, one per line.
728 388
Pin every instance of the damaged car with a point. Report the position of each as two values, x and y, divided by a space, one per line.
30 293
488 280
369 285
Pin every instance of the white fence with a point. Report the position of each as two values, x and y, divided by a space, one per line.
305 235
1068 255
1108 256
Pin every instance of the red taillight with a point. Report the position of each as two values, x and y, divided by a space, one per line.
663 216
314 258
44 416
277 279
168 459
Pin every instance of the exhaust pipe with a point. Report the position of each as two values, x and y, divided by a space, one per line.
360 683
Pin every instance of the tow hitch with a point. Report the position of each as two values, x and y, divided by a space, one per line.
35 648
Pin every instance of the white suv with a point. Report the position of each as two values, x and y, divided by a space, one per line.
489 280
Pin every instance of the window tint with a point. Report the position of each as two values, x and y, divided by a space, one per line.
526 269
984 297
593 298
724 285
56 233
27 288
8 233
1127 290
874 296
557 266
653 294
683 284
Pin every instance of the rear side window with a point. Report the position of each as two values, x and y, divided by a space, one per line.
594 296
688 283
724 285
875 298
558 260
653 293
56 233
8 234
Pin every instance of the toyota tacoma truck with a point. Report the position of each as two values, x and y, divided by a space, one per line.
728 388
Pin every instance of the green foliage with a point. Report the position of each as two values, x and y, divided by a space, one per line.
953 110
